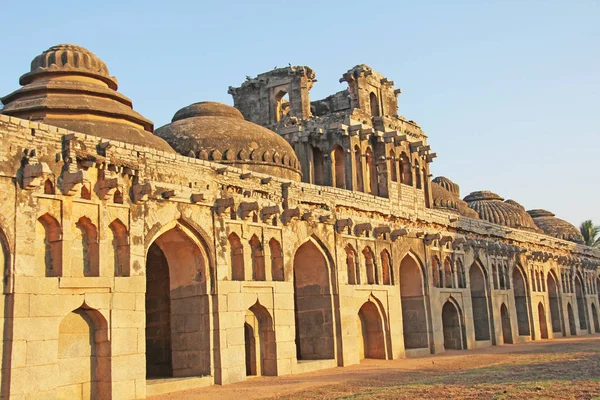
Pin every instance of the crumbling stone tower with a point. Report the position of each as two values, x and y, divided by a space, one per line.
353 139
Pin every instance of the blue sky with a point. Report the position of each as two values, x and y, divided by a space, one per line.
508 91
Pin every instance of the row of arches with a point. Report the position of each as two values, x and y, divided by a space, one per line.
365 169
373 274
450 274
85 248
257 256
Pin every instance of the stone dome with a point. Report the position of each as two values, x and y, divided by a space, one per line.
491 207
69 87
218 132
445 200
556 227
448 185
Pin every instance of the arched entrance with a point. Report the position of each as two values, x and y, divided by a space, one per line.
414 315
83 356
176 284
506 329
259 340
452 326
572 327
595 317
370 328
543 323
581 310
480 303
520 293
312 304
554 303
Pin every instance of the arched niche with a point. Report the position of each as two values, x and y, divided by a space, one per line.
339 167
542 321
259 342
84 356
452 325
554 301
506 326
371 332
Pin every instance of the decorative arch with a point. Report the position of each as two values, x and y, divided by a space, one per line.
48 247
370 266
405 170
448 273
352 265
386 268
506 328
371 330
120 248
277 270
86 252
259 341
436 272
258 259
84 355
49 187
236 254
453 325
412 298
313 308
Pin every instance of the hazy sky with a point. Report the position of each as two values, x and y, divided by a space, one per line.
507 91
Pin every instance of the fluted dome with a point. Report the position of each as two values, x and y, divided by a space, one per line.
556 227
218 132
448 185
491 207
445 200
69 87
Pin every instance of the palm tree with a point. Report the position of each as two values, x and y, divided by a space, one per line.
591 233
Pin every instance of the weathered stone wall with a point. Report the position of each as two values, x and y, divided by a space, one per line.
139 213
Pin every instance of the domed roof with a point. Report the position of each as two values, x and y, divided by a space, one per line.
448 185
552 226
69 59
492 208
445 200
69 87
218 132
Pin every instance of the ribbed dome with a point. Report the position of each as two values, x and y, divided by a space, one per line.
69 59
448 185
445 200
218 132
69 87
556 227
490 207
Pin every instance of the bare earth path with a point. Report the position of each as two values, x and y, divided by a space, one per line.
557 369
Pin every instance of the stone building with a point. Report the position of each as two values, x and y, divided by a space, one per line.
281 236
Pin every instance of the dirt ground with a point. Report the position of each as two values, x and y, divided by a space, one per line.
557 369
